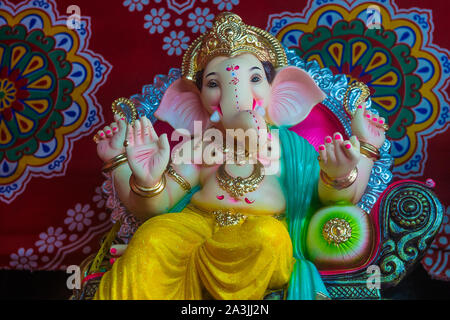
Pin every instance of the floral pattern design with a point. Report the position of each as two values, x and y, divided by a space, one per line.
176 43
172 18
79 218
226 4
51 240
200 20
23 260
135 4
156 20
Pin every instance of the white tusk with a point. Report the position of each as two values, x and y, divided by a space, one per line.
260 110
215 117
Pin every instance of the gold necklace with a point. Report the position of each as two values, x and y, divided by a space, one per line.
238 186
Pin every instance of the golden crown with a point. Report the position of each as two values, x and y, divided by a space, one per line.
230 37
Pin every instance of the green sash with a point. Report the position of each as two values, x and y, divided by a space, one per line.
300 176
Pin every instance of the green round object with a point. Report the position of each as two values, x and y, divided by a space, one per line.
339 237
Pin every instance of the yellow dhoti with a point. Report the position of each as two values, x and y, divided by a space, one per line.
187 255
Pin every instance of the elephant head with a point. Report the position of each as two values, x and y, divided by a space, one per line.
240 92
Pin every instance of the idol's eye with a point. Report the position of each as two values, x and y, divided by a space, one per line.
256 78
212 84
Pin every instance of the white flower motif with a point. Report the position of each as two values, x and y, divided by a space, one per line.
98 197
227 4
79 218
200 20
157 20
23 260
175 43
135 4
50 240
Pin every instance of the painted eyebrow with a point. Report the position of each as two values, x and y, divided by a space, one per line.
255 68
210 74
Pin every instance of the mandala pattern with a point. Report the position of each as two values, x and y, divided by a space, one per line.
173 18
406 72
47 81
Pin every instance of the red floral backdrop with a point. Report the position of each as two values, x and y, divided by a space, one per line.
57 85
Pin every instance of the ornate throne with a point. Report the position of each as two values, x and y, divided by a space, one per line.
405 214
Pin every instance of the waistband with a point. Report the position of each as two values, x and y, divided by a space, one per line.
227 217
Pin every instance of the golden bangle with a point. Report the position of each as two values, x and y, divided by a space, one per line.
369 151
112 164
147 192
340 183
178 178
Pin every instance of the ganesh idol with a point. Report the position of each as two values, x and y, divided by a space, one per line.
243 232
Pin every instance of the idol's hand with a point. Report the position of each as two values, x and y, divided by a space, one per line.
110 139
368 127
338 157
147 154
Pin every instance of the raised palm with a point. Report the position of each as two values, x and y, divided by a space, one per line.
147 154
110 139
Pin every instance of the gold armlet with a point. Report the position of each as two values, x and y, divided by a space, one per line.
147 192
178 179
369 151
340 183
110 165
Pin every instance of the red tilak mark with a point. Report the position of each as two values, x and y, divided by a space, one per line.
249 201
220 197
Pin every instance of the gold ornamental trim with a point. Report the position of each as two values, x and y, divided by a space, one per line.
230 37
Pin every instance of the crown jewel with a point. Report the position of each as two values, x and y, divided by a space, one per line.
230 37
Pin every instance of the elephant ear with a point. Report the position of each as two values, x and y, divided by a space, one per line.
181 105
294 94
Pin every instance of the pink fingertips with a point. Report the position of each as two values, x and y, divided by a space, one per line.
359 107
337 137
328 140
374 119
368 115
108 132
114 129
113 250
381 121
102 134
348 146
112 260
321 147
